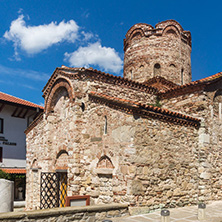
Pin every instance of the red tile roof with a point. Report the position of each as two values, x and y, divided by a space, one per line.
145 110
211 78
12 99
78 73
190 87
14 170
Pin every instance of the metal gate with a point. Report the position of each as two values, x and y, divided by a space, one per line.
53 190
62 189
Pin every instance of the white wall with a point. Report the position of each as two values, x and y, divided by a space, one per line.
14 156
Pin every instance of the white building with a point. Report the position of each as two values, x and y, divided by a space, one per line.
15 115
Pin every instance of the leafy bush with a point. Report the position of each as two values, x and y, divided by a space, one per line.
4 175
8 176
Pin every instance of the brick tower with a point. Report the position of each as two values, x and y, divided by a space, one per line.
161 51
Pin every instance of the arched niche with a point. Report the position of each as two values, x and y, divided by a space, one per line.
34 165
136 35
61 162
105 162
61 90
136 27
217 103
104 166
218 96
171 31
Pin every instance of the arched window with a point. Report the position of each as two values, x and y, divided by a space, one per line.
157 70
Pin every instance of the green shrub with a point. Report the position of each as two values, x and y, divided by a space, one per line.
4 175
9 176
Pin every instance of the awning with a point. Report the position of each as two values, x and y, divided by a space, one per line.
14 170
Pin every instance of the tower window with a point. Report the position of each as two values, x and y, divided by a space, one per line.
157 69
181 76
83 107
131 74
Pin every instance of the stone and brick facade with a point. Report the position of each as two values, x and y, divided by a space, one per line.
146 141
160 51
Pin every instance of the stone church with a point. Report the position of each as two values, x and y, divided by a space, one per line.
151 138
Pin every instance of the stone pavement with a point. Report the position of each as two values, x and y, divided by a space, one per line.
184 214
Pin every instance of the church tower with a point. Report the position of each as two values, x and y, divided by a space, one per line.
161 51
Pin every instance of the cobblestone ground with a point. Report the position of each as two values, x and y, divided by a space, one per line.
184 214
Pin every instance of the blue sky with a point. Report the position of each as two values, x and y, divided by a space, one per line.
37 36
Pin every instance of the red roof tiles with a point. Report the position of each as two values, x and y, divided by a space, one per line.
78 73
189 87
12 99
14 170
145 110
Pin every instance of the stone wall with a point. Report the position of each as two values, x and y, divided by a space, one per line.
205 104
161 51
113 156
88 213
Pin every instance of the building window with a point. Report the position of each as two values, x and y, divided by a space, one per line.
181 76
105 126
1 155
131 74
157 70
1 125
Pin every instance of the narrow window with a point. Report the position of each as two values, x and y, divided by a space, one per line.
157 70
105 126
1 125
83 107
131 74
181 76
1 155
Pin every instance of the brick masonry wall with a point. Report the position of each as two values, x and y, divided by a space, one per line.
204 105
147 169
165 45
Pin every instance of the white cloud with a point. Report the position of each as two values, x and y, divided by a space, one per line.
34 39
87 35
28 74
28 87
94 54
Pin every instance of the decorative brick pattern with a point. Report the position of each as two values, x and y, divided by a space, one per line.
168 45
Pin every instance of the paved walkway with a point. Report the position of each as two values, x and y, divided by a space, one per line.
184 214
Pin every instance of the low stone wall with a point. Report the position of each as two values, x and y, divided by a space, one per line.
82 214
